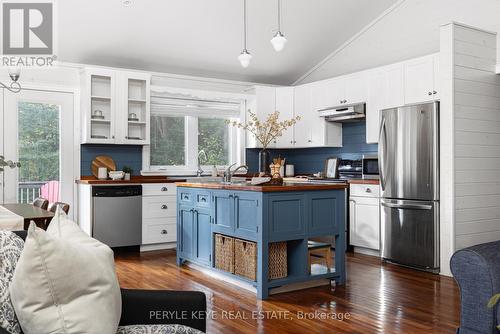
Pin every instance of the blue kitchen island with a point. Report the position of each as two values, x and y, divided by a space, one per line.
297 214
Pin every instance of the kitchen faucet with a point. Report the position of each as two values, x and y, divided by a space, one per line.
228 175
8 163
199 172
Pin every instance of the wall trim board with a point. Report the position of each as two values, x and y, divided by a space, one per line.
469 201
349 42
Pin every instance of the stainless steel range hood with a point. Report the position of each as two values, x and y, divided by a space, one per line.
344 113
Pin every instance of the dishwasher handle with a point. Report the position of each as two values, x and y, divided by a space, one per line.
116 191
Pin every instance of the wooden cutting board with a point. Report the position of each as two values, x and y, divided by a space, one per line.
102 161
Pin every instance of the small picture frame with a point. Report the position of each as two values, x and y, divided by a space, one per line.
332 168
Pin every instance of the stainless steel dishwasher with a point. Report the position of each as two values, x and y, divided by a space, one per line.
117 215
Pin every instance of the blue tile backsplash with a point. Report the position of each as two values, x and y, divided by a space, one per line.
123 155
311 160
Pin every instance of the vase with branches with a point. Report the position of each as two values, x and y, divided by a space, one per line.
265 131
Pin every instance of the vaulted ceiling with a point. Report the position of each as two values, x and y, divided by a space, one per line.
204 37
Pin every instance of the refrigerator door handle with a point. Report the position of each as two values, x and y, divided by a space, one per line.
381 152
407 206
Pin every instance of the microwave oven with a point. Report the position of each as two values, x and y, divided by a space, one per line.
370 167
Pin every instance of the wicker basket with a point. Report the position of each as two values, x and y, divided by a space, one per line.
224 253
278 267
245 259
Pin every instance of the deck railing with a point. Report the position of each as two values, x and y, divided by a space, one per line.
30 190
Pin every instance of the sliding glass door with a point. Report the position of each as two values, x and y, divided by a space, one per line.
38 133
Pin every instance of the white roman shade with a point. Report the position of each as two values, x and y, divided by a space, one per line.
163 104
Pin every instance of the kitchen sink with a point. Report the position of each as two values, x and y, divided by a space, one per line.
212 179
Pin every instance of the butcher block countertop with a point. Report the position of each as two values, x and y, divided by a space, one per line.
364 181
134 180
245 186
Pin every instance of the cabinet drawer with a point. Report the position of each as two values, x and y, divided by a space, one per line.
158 189
186 196
365 190
155 233
159 207
203 200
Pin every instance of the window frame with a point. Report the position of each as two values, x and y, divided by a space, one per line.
237 144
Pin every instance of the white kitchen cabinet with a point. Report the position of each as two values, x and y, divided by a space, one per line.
115 107
386 90
262 105
335 93
159 213
420 80
302 107
310 131
349 89
285 105
364 216
135 108
356 88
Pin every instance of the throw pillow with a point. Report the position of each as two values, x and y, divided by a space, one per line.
157 329
65 282
11 247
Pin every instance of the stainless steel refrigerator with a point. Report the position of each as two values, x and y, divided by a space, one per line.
409 179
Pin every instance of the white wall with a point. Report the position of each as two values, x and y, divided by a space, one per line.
470 135
410 30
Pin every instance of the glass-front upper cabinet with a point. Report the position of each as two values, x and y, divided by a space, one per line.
115 107
137 108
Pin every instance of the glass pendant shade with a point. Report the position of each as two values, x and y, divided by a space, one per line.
278 41
245 58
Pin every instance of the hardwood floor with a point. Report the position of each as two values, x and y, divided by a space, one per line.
379 298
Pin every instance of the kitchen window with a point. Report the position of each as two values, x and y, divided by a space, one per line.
181 127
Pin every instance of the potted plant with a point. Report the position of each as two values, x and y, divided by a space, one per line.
493 301
265 131
128 171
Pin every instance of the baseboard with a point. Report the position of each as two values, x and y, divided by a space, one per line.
223 277
367 251
155 247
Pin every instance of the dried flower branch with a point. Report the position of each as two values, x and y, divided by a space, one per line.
266 131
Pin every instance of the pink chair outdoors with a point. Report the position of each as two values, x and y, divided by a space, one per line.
50 191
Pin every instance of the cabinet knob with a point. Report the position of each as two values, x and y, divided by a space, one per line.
434 92
126 137
166 189
340 101
164 207
345 101
294 142
309 141
113 137
291 141
429 93
203 199
164 232
368 190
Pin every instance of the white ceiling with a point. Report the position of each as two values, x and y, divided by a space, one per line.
204 37
410 30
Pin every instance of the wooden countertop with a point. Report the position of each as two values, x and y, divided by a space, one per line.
263 188
134 180
364 181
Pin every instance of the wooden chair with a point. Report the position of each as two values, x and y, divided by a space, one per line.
64 207
320 253
53 208
41 203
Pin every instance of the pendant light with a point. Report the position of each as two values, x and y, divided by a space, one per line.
279 40
245 56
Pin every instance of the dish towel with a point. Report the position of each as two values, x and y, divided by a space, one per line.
9 221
